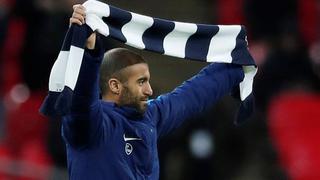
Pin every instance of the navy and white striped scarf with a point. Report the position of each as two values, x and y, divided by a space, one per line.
201 42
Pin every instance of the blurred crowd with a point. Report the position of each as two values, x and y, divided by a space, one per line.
279 141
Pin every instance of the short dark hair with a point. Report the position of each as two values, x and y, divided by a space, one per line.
113 62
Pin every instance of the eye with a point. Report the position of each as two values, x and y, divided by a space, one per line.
141 81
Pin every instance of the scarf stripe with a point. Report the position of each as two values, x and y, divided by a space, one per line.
73 66
153 37
135 28
240 54
175 42
198 44
57 74
220 47
117 19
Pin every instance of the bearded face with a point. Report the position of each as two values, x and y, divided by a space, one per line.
136 90
133 99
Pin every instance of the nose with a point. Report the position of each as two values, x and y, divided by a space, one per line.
148 90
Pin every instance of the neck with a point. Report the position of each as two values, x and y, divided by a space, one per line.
111 98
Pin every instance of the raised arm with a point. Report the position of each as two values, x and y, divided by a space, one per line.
194 96
85 117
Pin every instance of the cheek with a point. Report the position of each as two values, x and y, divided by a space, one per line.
137 91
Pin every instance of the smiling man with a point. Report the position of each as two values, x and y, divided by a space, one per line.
116 137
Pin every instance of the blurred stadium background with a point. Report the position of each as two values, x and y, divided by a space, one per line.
279 142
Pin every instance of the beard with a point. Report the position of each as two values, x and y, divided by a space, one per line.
128 98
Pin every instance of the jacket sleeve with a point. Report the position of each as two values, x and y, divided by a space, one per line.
194 96
83 125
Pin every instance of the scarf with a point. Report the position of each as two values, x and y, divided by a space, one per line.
200 42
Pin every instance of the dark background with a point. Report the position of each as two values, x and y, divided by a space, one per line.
280 140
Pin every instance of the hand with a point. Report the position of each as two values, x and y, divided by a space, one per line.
78 15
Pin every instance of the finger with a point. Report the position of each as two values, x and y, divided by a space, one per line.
79 17
79 8
80 11
75 21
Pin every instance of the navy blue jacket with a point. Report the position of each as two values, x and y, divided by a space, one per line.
105 141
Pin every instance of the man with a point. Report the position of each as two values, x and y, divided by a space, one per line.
116 137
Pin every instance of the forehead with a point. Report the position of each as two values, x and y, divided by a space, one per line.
137 70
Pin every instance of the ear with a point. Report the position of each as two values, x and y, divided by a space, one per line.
115 86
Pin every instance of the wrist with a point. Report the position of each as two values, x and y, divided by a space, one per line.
97 49
91 42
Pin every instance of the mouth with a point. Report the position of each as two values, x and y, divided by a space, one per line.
144 99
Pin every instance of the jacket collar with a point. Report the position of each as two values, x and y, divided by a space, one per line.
129 112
